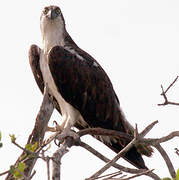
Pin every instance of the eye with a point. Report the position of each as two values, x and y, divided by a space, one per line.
46 10
57 11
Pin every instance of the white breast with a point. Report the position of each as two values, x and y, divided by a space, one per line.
69 113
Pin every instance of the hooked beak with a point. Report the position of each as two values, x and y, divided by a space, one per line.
52 14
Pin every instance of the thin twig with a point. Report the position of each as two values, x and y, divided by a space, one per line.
32 175
167 160
109 175
104 132
112 176
20 147
168 137
170 85
166 101
148 128
134 176
156 141
48 167
3 173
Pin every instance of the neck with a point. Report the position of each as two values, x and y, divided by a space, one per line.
52 35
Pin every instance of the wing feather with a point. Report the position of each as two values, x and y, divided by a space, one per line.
85 85
34 59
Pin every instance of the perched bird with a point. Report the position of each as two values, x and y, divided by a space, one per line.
81 90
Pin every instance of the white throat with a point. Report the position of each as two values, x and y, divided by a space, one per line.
52 35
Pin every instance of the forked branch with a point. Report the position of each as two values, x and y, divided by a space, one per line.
164 94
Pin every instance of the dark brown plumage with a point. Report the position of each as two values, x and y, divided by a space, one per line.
83 83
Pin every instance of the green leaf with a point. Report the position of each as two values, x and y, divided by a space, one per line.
31 147
166 179
28 147
12 169
1 145
13 138
34 146
177 177
17 174
21 167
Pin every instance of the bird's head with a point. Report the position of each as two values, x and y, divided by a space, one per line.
52 26
52 14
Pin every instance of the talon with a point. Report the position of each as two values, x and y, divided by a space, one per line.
57 128
55 122
70 133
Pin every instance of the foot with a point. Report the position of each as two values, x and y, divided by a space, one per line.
57 128
67 133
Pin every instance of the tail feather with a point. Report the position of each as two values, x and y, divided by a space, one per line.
132 156
128 128
144 150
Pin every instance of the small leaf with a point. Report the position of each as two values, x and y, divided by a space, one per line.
1 145
12 169
13 138
177 177
21 167
17 174
30 147
34 146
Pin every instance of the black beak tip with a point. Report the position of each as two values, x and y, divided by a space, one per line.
52 15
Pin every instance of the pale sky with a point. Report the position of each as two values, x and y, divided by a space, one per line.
135 41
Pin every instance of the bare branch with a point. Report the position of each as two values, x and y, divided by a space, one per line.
168 137
170 85
134 176
104 132
148 128
166 101
32 175
167 160
3 173
107 176
48 167
56 161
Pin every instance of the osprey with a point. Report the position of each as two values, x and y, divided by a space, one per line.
80 88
